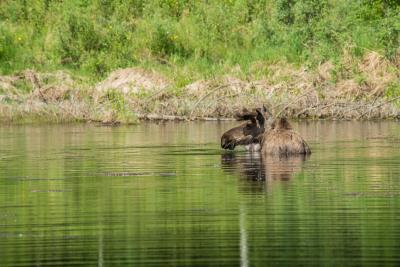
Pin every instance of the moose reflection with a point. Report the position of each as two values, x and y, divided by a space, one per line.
273 136
255 167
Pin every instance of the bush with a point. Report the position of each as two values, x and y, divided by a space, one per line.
8 48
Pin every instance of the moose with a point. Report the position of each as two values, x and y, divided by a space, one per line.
263 132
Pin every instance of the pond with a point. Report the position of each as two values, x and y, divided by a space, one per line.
166 194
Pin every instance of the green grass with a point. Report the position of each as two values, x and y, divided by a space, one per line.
190 39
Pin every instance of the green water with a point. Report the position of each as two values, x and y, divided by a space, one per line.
167 195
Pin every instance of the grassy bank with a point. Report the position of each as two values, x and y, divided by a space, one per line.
305 58
134 93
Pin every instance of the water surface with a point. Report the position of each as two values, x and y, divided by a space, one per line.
166 194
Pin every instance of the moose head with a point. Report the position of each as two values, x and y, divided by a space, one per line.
250 132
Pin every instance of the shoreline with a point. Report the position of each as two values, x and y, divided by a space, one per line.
40 117
131 95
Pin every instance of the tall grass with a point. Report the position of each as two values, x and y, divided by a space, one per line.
191 38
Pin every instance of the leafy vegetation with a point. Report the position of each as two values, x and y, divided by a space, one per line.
101 35
342 57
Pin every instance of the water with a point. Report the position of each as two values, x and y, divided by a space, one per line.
168 195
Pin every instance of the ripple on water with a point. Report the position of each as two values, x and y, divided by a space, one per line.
167 195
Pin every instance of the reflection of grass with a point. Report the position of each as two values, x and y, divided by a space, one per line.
347 193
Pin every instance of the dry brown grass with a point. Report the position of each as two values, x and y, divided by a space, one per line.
379 73
133 80
355 91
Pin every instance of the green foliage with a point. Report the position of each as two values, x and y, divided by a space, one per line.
308 11
390 36
119 107
23 86
8 47
285 11
116 99
393 91
99 36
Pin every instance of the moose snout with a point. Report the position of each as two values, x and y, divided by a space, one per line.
226 143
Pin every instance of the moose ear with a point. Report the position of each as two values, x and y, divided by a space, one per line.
260 118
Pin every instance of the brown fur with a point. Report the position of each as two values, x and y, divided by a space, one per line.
245 133
245 115
282 124
240 135
276 137
282 140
